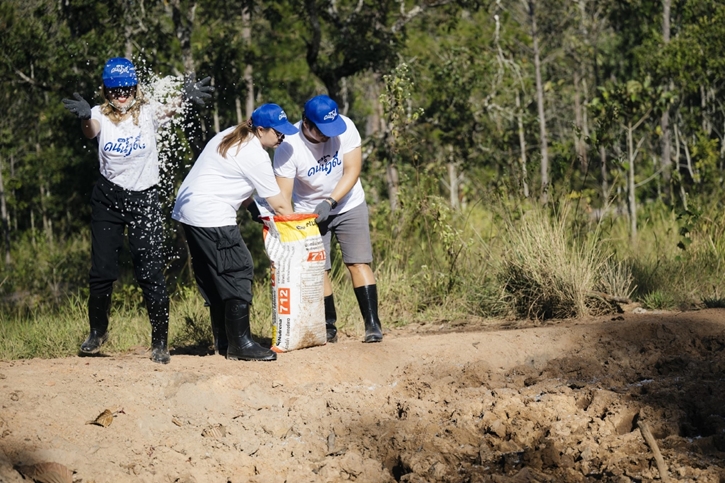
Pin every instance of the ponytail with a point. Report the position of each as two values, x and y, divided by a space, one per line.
236 137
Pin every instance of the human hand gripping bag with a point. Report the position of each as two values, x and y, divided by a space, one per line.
297 254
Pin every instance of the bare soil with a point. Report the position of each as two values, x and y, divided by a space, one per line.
488 402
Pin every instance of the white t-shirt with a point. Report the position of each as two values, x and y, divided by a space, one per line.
317 168
216 186
128 154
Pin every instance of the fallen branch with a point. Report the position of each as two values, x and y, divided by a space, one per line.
652 443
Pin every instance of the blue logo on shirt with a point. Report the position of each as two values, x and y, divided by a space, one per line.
324 165
125 146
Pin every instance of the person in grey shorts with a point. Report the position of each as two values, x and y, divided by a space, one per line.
319 170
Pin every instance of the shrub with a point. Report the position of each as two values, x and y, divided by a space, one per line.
658 300
545 272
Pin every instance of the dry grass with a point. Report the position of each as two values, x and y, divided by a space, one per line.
546 273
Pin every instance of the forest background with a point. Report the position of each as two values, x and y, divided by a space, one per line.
522 158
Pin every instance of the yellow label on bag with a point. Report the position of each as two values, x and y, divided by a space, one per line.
295 230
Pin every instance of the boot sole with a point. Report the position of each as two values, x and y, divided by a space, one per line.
372 339
95 351
240 358
251 360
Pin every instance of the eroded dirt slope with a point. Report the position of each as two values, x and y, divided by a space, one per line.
553 403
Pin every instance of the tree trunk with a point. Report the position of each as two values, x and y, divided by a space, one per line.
522 144
666 161
580 145
32 227
47 222
4 218
204 133
632 206
453 185
238 106
128 33
183 18
375 121
215 113
129 46
248 69
325 73
540 104
15 209
706 126
585 118
690 168
344 97
688 158
605 182
391 178
722 148
249 82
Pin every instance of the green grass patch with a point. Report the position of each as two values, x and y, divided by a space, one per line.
658 300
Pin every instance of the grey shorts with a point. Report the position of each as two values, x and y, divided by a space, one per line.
352 230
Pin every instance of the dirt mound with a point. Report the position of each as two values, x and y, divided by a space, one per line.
555 403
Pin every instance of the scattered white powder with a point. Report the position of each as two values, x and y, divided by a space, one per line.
178 117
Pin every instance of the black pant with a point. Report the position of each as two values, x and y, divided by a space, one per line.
223 266
113 209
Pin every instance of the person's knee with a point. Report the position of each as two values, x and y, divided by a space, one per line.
358 266
100 284
151 280
153 286
361 273
105 288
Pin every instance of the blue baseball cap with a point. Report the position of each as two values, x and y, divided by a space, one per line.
271 115
119 72
322 111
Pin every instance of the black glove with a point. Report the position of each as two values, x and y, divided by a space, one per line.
79 107
323 211
253 210
197 92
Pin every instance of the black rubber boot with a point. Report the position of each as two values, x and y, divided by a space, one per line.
159 318
367 299
330 319
241 345
98 308
218 328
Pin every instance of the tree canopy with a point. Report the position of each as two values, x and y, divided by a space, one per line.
515 96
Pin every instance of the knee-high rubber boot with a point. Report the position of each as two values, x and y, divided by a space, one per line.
367 299
218 328
98 307
159 318
241 345
330 319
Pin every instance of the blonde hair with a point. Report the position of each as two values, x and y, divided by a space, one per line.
236 138
114 114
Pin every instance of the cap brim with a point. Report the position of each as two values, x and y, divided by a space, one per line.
286 128
113 83
334 128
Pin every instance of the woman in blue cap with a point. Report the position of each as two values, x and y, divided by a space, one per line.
232 166
126 196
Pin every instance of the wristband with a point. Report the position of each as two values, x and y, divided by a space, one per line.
333 203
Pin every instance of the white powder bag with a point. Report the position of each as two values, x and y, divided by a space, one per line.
294 246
